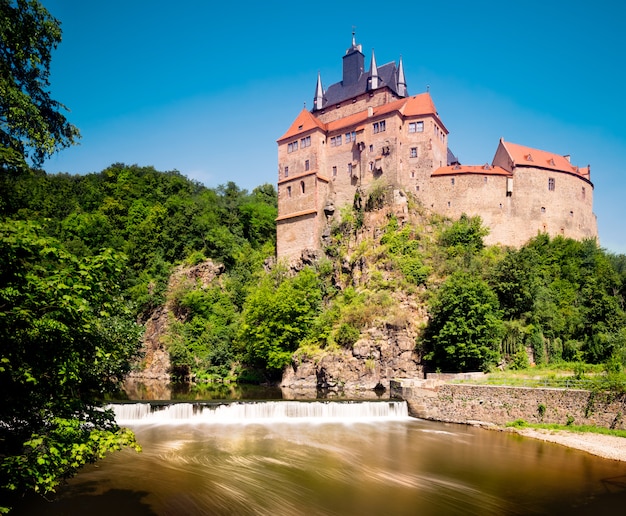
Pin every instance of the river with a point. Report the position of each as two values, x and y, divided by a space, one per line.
330 458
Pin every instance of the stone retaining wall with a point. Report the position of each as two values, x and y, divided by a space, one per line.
471 404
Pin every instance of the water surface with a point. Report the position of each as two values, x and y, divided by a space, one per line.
385 465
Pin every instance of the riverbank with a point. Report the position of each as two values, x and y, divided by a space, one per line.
606 446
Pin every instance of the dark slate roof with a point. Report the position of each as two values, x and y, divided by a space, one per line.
336 93
452 159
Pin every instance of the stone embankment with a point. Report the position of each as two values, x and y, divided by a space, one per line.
494 406
497 405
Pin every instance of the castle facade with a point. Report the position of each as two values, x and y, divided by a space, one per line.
367 128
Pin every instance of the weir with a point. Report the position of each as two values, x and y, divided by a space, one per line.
263 412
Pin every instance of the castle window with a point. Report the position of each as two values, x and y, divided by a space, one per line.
302 186
293 146
571 213
543 209
289 191
379 127
350 168
412 173
351 137
551 184
448 204
371 148
452 181
335 141
485 179
305 142
306 165
371 165
414 152
416 127
583 192
334 171
417 188
286 171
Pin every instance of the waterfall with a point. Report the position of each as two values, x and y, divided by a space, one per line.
259 412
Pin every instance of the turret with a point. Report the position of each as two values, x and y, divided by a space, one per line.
402 89
318 100
353 63
373 80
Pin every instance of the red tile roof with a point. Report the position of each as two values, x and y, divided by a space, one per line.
485 170
304 122
411 106
528 157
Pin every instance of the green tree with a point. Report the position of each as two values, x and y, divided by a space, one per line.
32 126
465 327
277 315
66 337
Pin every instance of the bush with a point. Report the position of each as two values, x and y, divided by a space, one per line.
347 335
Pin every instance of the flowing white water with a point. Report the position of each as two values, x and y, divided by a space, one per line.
259 412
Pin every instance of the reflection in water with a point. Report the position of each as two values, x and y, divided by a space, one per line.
362 468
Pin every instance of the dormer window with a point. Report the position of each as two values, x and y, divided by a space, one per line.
529 157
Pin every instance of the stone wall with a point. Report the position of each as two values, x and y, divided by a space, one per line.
464 403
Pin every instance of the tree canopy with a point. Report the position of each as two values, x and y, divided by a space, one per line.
66 338
32 125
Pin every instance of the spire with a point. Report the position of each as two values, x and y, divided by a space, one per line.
402 90
318 100
373 79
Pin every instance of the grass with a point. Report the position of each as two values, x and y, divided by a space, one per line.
565 375
520 423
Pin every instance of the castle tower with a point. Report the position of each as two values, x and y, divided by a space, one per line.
362 130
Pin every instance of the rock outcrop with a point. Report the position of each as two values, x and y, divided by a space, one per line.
374 360
155 363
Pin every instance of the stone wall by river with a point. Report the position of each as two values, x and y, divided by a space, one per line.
470 404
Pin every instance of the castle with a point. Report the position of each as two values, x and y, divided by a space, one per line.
367 128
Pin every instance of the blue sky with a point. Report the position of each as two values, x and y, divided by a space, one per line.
207 87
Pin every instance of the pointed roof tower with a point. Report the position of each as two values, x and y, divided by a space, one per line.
353 63
373 80
318 100
402 89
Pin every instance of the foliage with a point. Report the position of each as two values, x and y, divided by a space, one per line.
465 327
277 315
569 292
31 123
67 337
464 236
403 246
202 345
